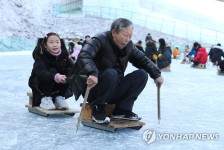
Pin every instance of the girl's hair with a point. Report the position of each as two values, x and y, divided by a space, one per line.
41 42
162 42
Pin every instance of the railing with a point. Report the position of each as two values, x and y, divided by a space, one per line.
68 6
184 30
16 44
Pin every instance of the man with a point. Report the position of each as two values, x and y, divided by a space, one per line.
216 54
104 59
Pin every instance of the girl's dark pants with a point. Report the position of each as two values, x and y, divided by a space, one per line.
41 89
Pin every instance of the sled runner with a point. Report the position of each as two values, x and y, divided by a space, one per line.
114 123
200 66
166 69
43 112
219 72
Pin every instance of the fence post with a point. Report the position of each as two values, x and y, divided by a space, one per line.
200 33
173 27
131 15
101 12
146 20
161 27
216 37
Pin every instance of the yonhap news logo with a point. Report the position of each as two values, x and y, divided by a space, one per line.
149 136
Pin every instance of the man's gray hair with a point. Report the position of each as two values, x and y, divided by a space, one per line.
120 23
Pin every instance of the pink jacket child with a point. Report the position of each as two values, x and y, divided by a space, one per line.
202 56
76 51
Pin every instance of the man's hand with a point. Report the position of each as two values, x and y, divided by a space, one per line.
159 81
92 81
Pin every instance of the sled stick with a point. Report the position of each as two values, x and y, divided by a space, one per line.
158 102
83 107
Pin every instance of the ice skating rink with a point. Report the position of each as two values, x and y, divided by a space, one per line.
192 110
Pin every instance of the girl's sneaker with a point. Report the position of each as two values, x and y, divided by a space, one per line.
60 103
47 103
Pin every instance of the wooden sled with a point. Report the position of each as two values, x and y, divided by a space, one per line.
166 69
219 72
43 112
113 125
200 66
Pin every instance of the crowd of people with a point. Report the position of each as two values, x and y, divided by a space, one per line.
199 55
196 55
99 62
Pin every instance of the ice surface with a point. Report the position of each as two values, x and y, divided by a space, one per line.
191 102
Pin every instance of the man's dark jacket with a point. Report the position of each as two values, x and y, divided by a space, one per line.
216 54
101 53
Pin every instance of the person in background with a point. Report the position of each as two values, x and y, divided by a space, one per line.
201 57
194 51
139 46
103 60
80 42
87 38
71 46
148 38
186 52
216 54
150 48
76 51
51 66
175 52
164 54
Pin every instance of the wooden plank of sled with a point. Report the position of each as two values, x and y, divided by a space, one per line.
166 69
200 66
113 125
118 123
44 112
30 98
203 66
92 124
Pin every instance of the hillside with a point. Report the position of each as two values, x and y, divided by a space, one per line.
24 21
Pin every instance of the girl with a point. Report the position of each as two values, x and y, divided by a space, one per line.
164 54
186 52
50 69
